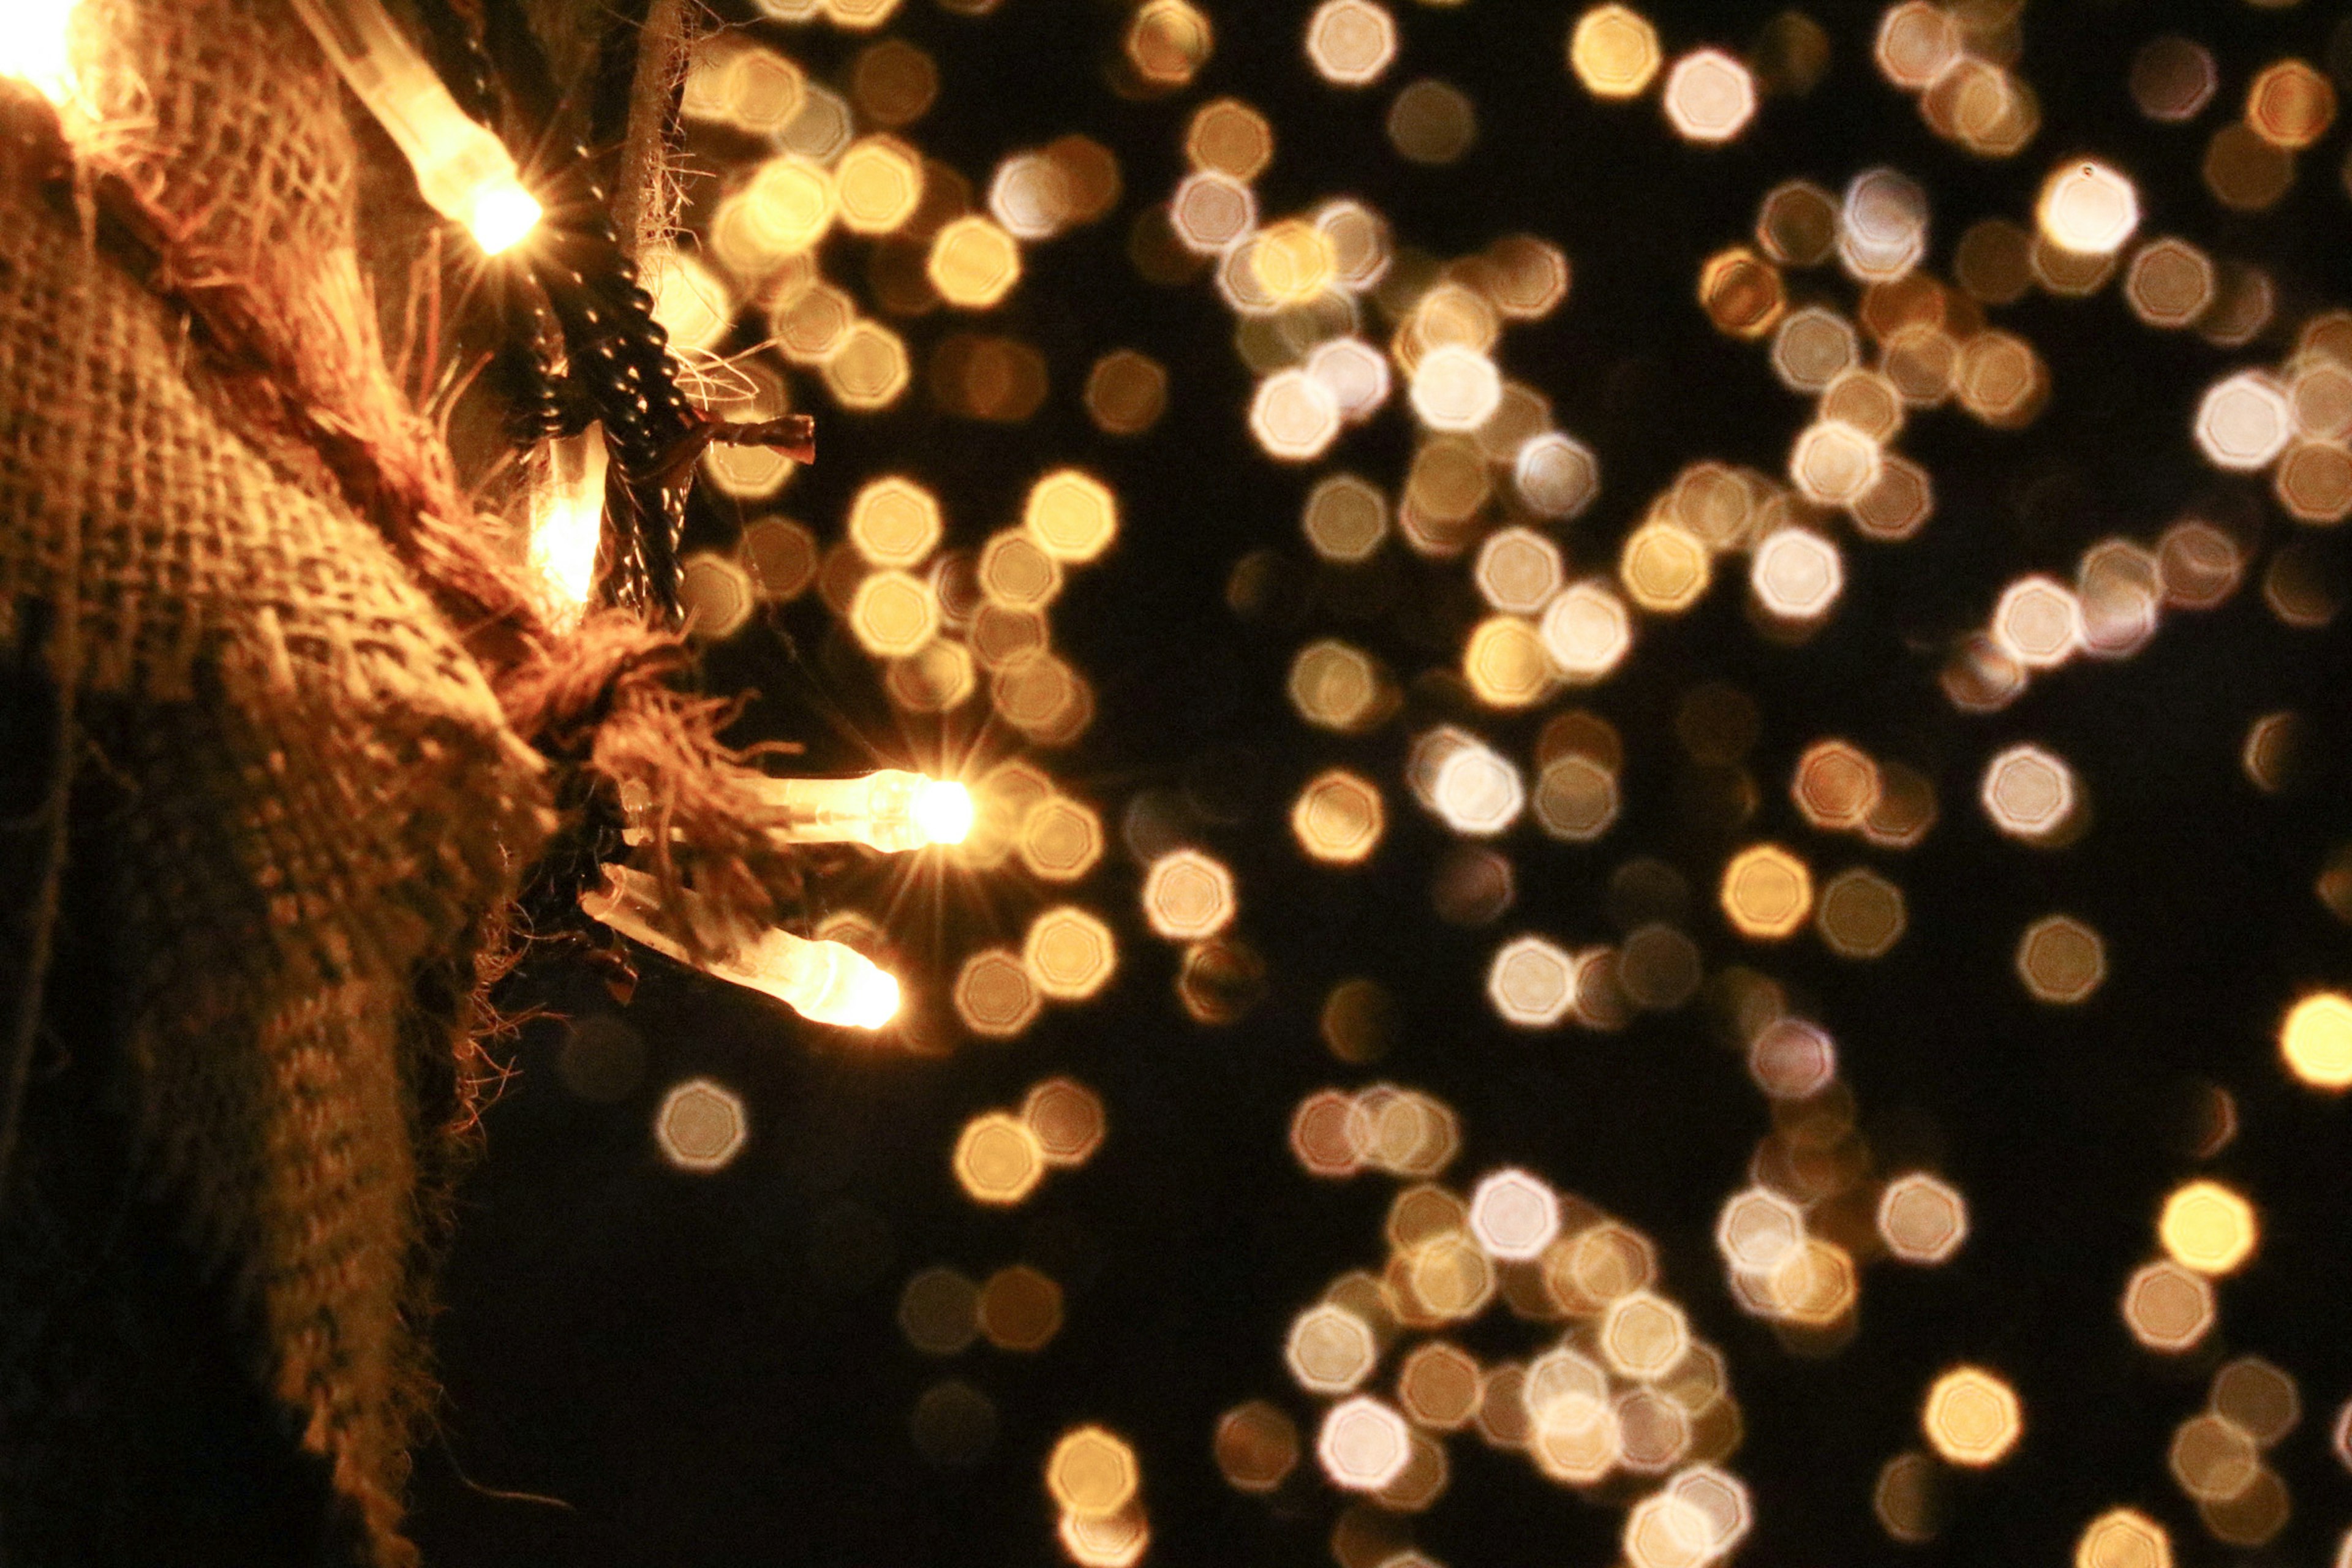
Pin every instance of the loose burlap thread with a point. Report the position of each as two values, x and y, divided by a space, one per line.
308 687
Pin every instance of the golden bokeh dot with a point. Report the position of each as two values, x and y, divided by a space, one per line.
1517 570
1073 516
2169 1308
1504 661
1663 567
1015 571
1126 393
1576 798
1835 786
2061 959
1532 982
895 521
2172 79
893 83
1110 1541
2290 105
1335 686
1922 1219
2170 283
1345 519
877 185
996 1159
1766 892
1364 1444
1432 123
1709 98
715 594
892 613
973 263
2209 1228
1330 1349
2123 1538
782 554
2243 172
1587 630
2259 1396
935 679
1796 224
1188 895
1229 136
1167 43
2315 1040
1069 953
1971 1417
700 1127
1091 1472
1339 817
1067 1117
2212 1458
867 369
994 995
1860 914
2314 481
1020 1309
2243 422
1643 1335
1059 840
1256 1446
1350 43
938 1311
1741 292
1613 51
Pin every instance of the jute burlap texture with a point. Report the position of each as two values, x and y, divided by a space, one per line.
320 794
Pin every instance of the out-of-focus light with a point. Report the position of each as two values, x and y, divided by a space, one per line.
2290 105
1092 1473
1796 574
1643 1335
2000 379
1665 567
2198 565
2315 1040
997 1159
1882 226
2243 422
1071 515
894 522
1256 1446
2167 1308
1105 1541
2170 283
2172 80
1069 953
1532 982
2260 1396
1126 393
1791 1059
973 263
1294 417
1455 387
1432 123
1230 136
1588 631
2087 207
938 1311
868 369
1758 1229
1020 1309
2205 1226
892 810
1613 51
1766 892
1971 1417
2031 795
1922 1219
1814 347
878 182
1709 96
1504 661
1066 1119
994 995
1355 374
701 1126
1335 686
1188 895
1556 476
1835 786
1167 43
1364 1444
2123 1538
892 614
2038 622
1345 519
1860 914
1905 1498
1016 571
1519 570
1350 43
1833 463
1339 817
1573 1436
1330 1350
1741 292
1918 42
1796 224
2212 1458
1438 1385
1514 1216
1476 791
2061 959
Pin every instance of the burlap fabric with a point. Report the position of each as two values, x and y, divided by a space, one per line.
294 791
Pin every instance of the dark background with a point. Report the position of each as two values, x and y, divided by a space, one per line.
706 1370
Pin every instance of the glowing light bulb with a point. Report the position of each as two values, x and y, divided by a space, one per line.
567 521
33 47
891 811
463 171
823 982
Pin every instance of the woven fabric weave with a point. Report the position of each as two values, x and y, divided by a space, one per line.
324 794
